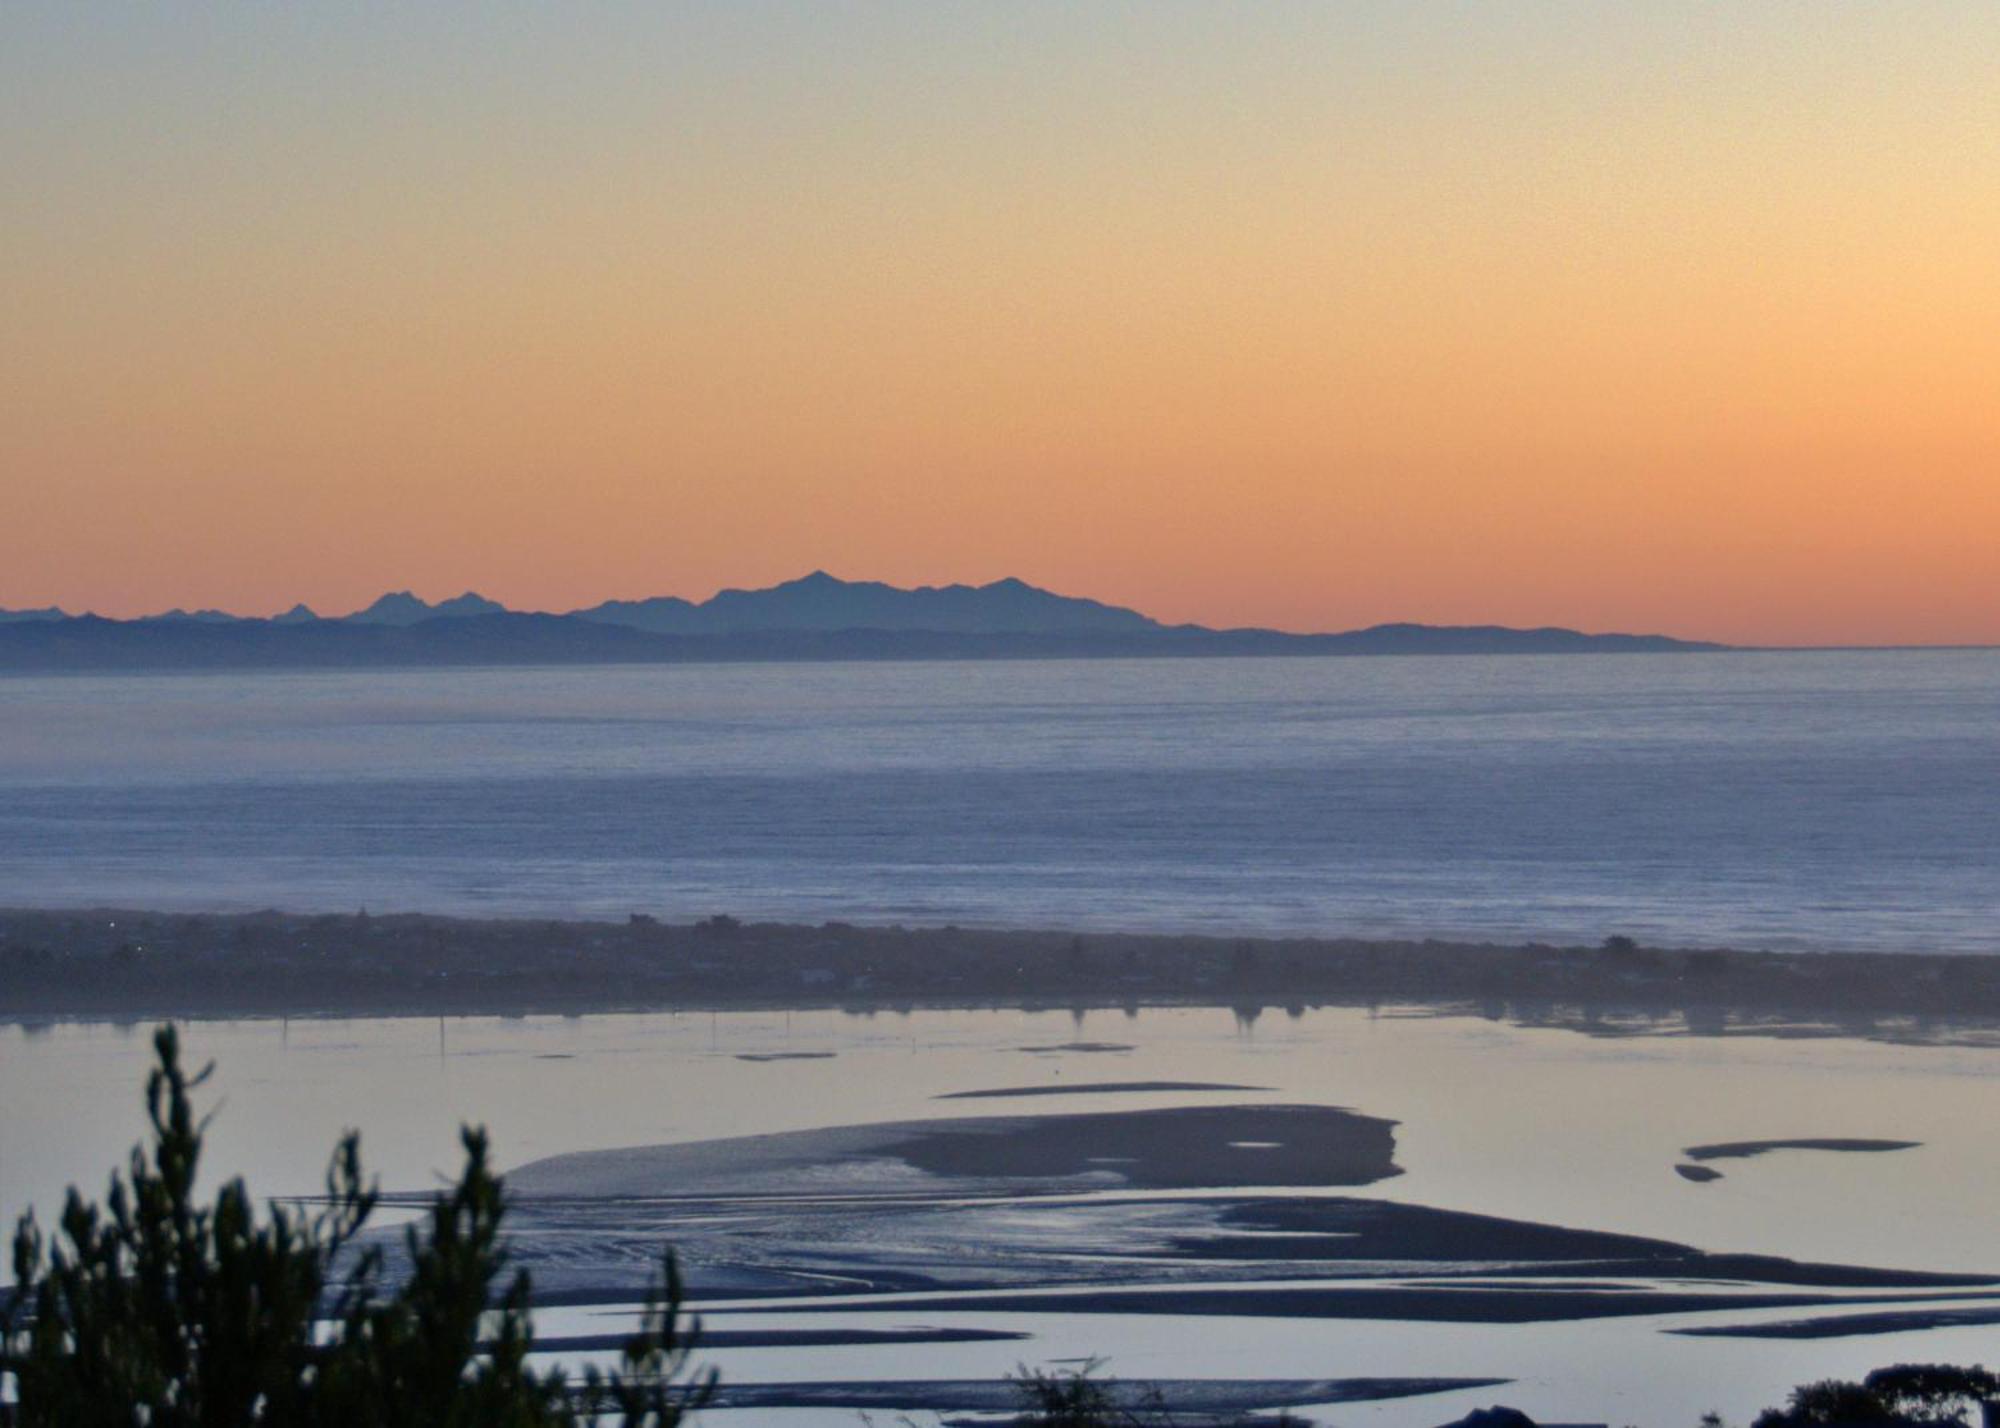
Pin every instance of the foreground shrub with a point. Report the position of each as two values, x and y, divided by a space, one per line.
153 1309
1901 1396
1073 1398
1078 1398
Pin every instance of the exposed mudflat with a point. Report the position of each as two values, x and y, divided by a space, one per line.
1096 1088
1744 1149
829 1338
1524 1304
1181 1148
1187 1395
1012 1213
1842 1326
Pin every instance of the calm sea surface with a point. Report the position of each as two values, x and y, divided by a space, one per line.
1845 800
1839 800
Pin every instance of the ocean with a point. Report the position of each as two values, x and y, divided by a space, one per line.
1839 800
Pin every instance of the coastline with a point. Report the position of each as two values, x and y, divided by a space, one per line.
120 963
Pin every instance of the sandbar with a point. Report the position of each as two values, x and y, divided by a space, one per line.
1743 1149
707 1338
1180 1148
1842 1326
1096 1088
1188 1395
1388 1302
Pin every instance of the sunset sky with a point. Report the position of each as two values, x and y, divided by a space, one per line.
1636 316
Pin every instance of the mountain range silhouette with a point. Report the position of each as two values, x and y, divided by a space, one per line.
817 616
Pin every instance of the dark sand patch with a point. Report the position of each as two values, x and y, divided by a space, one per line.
1187 1147
785 1055
1593 1286
787 1338
1702 1267
1096 1088
1842 1326
1088 1047
1188 1395
1699 1174
1183 1148
1385 1231
1743 1149
1397 1302
1233 1419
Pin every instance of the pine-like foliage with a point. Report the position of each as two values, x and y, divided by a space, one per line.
157 1311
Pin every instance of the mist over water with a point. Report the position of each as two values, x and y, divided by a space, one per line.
1838 800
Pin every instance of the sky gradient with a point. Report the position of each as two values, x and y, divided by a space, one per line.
1633 316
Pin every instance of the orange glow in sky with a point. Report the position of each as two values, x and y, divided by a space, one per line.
1646 317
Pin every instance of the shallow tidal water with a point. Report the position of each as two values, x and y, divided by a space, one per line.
1533 1124
1815 800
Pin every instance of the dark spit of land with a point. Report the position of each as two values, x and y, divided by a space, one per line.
1095 1088
1178 1148
1744 1149
108 963
1207 1399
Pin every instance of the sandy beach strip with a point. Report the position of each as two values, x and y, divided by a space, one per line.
1096 1088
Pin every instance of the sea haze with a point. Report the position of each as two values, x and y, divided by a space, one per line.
1838 800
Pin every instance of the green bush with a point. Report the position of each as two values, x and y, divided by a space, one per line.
156 1310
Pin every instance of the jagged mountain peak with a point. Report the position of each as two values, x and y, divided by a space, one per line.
820 600
401 607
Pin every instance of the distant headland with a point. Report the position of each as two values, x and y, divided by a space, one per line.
817 617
